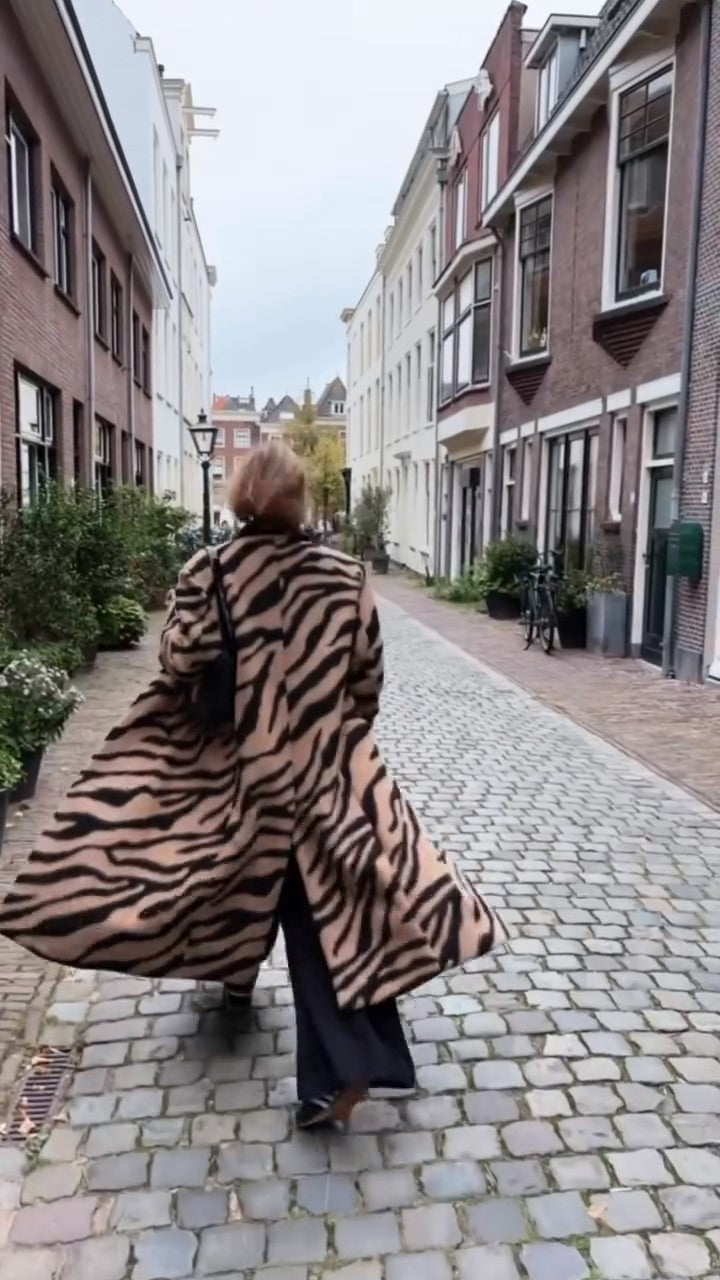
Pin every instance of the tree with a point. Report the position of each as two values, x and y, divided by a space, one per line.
304 435
325 475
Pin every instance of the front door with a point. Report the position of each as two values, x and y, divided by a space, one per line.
471 518
661 487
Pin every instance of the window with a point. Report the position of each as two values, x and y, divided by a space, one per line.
145 357
337 408
400 313
391 330
427 505
466 317
643 153
420 280
391 402
572 474
62 220
431 377
527 478
99 293
460 210
418 383
116 317
20 152
509 468
136 348
665 433
220 438
399 388
241 437
617 470
218 469
140 457
409 290
547 90
490 161
447 376
36 457
534 250
362 348
408 391
103 469
378 328
369 428
433 253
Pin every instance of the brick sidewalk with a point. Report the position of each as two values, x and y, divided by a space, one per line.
25 981
671 726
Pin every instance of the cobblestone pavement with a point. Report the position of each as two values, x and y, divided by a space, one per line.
673 726
567 1120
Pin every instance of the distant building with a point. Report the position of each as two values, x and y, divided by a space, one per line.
330 411
238 426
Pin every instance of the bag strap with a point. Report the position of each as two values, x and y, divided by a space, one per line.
227 630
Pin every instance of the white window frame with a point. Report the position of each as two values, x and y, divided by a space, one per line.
547 91
220 438
17 134
528 455
524 202
625 79
617 467
245 441
491 161
461 210
509 483
432 364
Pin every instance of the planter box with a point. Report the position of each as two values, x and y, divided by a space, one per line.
380 564
26 789
503 606
607 623
572 629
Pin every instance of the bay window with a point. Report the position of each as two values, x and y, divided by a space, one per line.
447 373
535 240
431 377
490 161
643 157
466 332
36 456
547 90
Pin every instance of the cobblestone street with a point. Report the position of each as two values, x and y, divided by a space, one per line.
567 1120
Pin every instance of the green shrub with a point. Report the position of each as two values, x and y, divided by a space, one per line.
370 519
35 703
122 623
507 563
468 587
11 770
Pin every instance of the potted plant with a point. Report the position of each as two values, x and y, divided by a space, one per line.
572 609
36 701
122 623
505 566
370 519
10 775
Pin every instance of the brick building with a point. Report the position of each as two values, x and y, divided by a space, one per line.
238 427
79 270
596 229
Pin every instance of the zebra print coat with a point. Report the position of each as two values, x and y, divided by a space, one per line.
168 854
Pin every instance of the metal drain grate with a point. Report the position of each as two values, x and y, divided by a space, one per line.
40 1095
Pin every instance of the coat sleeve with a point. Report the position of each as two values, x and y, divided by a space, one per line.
367 664
192 637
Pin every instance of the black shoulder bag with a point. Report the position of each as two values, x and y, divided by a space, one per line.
216 696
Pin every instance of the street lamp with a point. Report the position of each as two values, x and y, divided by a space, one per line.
204 436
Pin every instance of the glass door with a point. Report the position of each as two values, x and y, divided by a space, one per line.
661 489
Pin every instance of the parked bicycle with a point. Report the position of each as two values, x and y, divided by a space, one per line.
539 604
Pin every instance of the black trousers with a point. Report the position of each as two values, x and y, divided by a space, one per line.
336 1049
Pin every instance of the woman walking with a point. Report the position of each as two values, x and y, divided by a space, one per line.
244 789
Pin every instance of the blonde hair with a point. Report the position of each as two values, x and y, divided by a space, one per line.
269 485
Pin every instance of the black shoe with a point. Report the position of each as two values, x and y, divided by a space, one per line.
317 1114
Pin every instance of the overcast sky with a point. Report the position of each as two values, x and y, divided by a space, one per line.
320 105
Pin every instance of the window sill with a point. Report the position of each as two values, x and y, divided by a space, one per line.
651 301
67 300
529 362
118 360
466 391
611 526
31 257
102 342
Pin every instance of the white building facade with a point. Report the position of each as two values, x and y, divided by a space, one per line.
392 338
154 119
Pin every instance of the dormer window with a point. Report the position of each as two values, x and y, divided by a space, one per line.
548 83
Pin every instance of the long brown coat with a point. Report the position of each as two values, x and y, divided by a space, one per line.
168 854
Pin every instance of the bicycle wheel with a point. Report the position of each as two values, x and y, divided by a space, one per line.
527 617
547 622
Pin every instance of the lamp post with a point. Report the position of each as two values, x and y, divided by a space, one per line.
204 436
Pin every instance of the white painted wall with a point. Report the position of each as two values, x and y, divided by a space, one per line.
364 382
410 316
149 121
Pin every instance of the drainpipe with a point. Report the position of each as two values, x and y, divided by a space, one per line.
134 355
442 178
672 601
90 329
181 377
496 452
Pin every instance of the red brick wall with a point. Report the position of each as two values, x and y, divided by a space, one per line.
699 482
580 369
37 329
